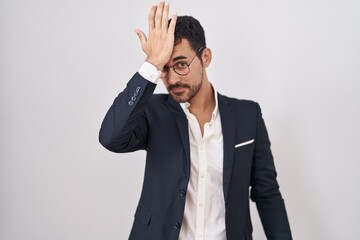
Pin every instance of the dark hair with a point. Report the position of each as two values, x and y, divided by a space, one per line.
190 29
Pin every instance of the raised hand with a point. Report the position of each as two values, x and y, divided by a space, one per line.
159 44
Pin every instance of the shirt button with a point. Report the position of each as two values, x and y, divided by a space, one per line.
131 103
176 226
182 192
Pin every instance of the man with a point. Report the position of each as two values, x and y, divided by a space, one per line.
204 150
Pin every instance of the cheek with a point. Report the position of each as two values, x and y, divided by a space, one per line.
196 76
165 82
198 70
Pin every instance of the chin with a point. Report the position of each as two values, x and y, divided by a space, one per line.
179 98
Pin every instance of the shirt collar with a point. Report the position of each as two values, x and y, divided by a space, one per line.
185 106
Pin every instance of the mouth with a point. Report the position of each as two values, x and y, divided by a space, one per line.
177 89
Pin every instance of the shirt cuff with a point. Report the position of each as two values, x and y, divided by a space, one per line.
149 72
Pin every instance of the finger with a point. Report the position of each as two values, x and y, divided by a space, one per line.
142 37
165 16
172 23
151 18
159 13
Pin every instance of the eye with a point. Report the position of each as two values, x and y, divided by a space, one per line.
180 65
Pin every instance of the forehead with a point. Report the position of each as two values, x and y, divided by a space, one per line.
182 49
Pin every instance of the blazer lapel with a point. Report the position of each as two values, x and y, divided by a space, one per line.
228 124
182 123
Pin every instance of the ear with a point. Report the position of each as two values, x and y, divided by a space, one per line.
206 57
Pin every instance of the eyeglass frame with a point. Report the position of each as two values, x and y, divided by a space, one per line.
167 68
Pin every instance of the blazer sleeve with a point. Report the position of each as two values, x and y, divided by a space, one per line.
125 128
265 189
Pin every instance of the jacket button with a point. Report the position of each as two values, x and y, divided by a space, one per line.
133 98
131 103
182 192
176 226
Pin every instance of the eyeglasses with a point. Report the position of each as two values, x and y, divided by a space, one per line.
181 68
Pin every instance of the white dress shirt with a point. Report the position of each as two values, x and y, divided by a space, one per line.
204 214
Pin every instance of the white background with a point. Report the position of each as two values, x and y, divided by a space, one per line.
63 62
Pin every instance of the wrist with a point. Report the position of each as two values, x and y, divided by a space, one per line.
158 64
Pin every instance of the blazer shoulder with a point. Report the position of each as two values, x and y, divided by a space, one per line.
157 99
242 103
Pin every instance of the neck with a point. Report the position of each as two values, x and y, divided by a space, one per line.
203 104
204 100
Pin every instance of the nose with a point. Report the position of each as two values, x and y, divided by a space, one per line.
173 77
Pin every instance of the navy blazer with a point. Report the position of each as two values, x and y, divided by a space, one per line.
139 119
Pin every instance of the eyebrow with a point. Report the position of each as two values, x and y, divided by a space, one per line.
178 58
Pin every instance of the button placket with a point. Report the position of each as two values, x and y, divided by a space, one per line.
200 214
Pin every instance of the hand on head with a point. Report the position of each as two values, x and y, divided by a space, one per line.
159 43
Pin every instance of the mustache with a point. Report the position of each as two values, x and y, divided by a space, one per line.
178 85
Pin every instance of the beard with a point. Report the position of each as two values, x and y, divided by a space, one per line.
185 96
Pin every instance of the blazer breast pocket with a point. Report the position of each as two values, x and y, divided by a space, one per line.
243 144
244 151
